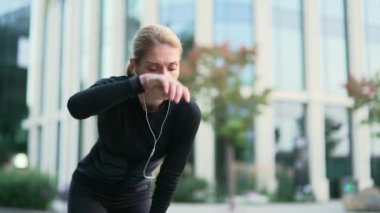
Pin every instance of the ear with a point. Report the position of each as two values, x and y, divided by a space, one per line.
132 63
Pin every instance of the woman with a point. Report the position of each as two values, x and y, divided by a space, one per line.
144 118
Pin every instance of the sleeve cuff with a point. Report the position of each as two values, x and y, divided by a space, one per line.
136 85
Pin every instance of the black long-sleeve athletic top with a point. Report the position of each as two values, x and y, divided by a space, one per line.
125 141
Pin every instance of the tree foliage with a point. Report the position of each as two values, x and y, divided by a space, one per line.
366 92
214 76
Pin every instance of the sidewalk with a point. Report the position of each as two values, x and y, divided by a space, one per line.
330 207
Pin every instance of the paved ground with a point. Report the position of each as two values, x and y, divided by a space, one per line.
330 207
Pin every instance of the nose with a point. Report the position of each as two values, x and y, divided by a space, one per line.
165 71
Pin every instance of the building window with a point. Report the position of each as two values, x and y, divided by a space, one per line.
82 54
234 26
334 46
44 62
61 46
179 16
58 151
40 144
101 39
291 149
375 154
80 139
133 23
372 40
288 48
105 34
372 32
338 147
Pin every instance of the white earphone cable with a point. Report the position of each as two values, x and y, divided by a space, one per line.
154 136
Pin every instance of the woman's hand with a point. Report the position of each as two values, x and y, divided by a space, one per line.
164 87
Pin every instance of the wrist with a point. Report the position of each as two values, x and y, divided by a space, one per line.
136 84
143 81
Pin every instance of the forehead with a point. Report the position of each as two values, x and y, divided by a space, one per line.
163 54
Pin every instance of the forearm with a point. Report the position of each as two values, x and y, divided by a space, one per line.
102 96
165 187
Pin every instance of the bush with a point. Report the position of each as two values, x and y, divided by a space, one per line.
26 189
245 182
286 188
191 189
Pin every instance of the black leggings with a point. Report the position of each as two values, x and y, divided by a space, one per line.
87 196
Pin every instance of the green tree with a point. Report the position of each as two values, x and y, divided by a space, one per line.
365 92
214 77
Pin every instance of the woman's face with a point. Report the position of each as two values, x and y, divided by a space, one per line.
161 59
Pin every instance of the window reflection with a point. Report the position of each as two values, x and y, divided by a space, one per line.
133 23
288 45
290 125
291 150
372 28
372 39
234 25
337 143
337 132
179 16
334 47
375 154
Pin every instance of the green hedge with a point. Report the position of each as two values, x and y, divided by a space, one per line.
191 189
26 189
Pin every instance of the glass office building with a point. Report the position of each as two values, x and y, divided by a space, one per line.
306 49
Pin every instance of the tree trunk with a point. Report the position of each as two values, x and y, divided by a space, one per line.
231 176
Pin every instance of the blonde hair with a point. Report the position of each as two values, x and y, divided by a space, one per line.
149 36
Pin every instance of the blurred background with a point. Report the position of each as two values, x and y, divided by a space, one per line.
312 140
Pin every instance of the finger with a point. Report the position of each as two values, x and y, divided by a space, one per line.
172 89
178 93
186 94
165 85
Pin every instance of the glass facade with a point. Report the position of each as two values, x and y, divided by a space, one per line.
372 50
179 15
289 126
234 23
338 147
43 68
234 26
10 6
133 22
291 148
40 145
82 37
372 32
58 151
105 47
288 48
61 103
375 154
334 46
